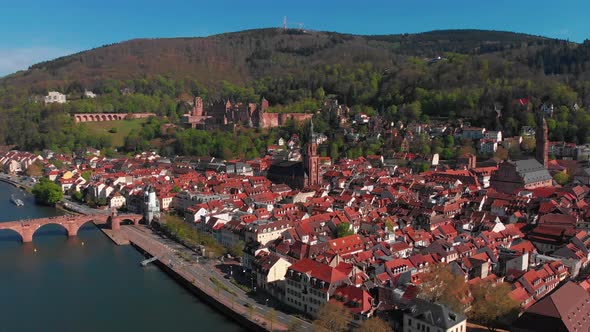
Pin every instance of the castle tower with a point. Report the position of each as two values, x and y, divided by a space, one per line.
264 105
542 139
311 161
198 108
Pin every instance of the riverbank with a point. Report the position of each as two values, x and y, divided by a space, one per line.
16 183
196 283
202 278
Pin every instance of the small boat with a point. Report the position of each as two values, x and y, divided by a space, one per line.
17 201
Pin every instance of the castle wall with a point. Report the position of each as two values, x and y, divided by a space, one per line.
250 114
270 120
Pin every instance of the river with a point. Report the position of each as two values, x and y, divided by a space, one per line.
86 283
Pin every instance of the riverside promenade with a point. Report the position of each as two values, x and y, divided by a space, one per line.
207 281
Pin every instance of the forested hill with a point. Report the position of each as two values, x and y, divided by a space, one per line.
243 56
452 74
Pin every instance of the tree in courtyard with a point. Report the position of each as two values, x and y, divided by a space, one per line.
440 285
389 225
422 167
237 249
47 192
492 305
501 153
35 169
332 317
86 175
466 147
528 144
373 324
77 196
343 229
561 178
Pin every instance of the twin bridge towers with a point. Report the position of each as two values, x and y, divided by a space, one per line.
27 228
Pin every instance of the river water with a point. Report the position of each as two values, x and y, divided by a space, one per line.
86 283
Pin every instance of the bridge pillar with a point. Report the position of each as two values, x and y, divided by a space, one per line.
115 224
72 229
27 236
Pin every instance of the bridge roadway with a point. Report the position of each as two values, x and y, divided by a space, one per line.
26 228
199 272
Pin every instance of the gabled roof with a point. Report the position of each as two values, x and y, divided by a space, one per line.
435 314
531 171
566 309
318 270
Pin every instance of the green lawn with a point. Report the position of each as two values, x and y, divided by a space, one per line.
123 129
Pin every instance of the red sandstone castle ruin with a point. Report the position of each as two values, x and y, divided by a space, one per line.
220 115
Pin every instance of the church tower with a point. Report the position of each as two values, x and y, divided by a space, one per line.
311 160
542 139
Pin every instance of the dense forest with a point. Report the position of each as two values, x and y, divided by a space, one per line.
441 75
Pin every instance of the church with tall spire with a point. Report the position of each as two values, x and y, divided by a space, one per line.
311 161
542 139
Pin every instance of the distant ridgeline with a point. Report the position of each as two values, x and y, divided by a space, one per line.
221 115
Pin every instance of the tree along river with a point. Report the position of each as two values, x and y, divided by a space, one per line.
87 283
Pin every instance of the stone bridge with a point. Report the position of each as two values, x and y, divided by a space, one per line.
26 228
94 117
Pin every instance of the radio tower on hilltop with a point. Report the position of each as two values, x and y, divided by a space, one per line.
285 23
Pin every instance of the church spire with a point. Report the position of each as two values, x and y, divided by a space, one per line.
542 137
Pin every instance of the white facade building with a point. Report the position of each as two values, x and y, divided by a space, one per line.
54 97
89 94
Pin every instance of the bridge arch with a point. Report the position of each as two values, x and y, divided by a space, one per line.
8 233
63 227
76 227
116 221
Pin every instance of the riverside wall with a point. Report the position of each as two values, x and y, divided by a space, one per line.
237 312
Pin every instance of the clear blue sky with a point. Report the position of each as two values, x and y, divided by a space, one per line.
33 31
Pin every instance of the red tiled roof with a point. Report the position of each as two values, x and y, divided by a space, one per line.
318 270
